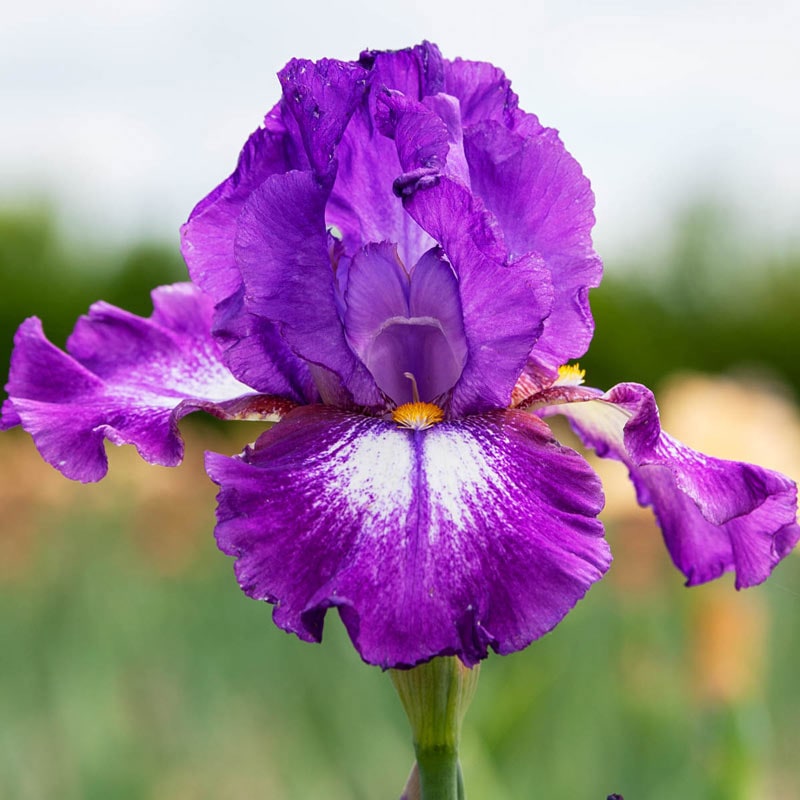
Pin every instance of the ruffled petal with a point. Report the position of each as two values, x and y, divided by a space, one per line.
715 515
321 96
362 205
483 92
257 354
282 251
416 71
208 236
126 379
282 245
544 204
504 304
472 534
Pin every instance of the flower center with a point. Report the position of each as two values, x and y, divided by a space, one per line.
570 375
417 416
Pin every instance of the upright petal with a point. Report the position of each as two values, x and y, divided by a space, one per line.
472 534
483 92
282 243
128 380
362 205
208 236
417 71
544 204
321 96
715 515
282 251
505 304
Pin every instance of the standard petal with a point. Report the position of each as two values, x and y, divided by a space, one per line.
504 304
282 251
207 238
483 92
127 379
715 515
472 534
544 204
362 205
416 71
321 96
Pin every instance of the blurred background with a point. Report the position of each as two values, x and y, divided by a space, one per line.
132 666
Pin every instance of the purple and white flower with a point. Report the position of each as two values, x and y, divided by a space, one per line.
394 273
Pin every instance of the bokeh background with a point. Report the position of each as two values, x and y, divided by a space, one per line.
132 666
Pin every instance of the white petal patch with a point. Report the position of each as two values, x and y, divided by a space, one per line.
373 472
459 476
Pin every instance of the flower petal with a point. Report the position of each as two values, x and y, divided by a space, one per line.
208 236
257 354
416 71
472 534
282 251
544 204
400 323
321 96
483 92
127 379
715 515
362 205
282 245
504 303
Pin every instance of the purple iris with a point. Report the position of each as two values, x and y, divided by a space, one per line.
396 271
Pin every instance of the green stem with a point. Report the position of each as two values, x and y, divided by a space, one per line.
438 774
435 696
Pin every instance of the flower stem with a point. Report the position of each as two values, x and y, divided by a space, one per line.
435 697
438 774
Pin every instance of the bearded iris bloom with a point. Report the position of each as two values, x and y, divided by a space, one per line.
395 274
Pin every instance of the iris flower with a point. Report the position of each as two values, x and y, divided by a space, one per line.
396 274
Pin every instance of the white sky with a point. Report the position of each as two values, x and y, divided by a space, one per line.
128 112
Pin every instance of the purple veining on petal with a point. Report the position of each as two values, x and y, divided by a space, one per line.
399 323
715 515
473 534
126 379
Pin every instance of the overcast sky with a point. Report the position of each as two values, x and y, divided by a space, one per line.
128 112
